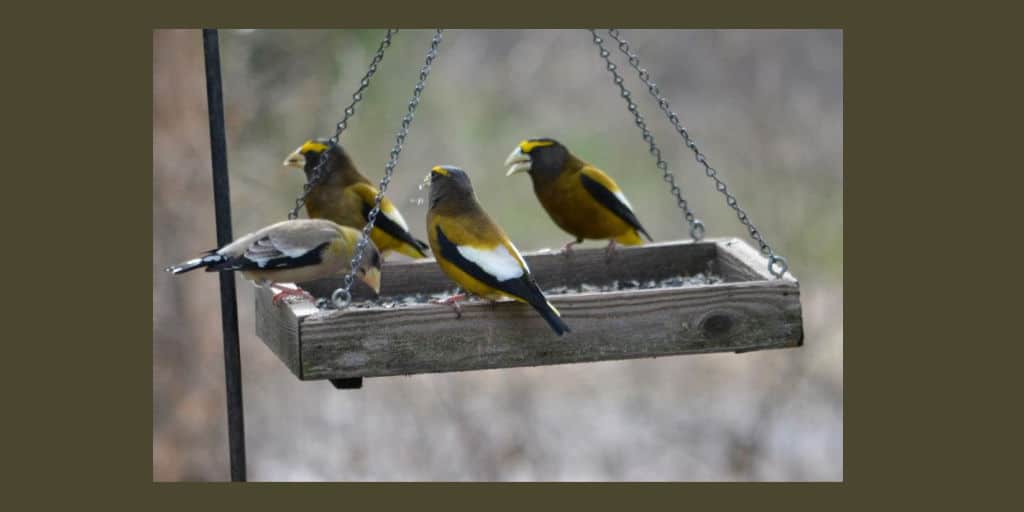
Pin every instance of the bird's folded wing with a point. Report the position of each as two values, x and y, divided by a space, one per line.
389 220
608 194
495 264
280 246
368 194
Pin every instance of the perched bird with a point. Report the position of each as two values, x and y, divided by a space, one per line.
474 251
579 197
345 196
291 251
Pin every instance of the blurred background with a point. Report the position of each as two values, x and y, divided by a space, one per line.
765 106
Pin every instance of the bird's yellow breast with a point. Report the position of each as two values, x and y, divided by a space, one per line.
337 204
577 212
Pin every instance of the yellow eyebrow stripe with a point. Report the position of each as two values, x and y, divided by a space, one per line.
527 145
313 146
440 170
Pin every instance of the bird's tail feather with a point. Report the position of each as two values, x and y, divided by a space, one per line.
422 247
552 316
195 263
413 251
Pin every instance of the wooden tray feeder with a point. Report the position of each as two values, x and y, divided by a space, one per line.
748 309
744 308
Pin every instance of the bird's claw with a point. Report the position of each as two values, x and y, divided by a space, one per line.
567 250
610 251
452 302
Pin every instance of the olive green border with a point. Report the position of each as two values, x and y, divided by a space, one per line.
80 416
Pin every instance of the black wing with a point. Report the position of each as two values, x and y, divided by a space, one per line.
275 260
385 224
523 286
608 200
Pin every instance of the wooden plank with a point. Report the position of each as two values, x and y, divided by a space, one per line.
738 261
550 269
750 313
616 325
278 327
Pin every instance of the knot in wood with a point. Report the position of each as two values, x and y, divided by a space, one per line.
717 324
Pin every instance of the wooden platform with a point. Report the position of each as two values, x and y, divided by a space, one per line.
751 310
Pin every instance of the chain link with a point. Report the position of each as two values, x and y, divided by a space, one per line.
320 171
342 297
696 226
777 264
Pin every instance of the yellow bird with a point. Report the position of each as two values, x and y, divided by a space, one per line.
291 251
346 196
474 251
580 198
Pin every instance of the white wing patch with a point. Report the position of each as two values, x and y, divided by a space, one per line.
396 217
266 249
519 256
497 262
622 197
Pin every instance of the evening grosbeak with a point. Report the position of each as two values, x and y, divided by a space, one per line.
474 251
346 196
291 251
579 197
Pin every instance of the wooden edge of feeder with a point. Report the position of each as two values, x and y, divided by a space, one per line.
752 311
551 268
743 261
284 321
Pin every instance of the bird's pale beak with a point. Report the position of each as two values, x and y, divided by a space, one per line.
518 162
295 159
372 279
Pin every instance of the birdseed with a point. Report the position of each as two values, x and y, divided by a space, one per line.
699 279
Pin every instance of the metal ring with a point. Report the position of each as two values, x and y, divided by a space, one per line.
697 230
341 298
777 265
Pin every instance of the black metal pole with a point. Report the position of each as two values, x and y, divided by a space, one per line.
228 305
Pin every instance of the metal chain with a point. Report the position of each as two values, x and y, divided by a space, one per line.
319 172
696 226
343 296
777 265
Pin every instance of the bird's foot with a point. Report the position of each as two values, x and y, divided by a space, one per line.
610 251
290 292
453 302
567 248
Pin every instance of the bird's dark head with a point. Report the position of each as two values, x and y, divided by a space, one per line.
448 182
307 156
539 157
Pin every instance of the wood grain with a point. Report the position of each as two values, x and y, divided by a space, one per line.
278 327
738 261
748 313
